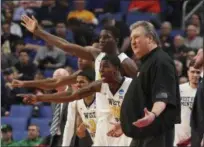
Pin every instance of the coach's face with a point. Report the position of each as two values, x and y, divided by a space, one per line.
107 41
139 42
81 82
107 71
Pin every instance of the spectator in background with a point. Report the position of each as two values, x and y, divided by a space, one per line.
33 43
7 60
82 14
166 38
192 40
25 68
124 40
61 31
179 68
50 57
196 21
7 137
14 27
33 137
82 33
190 55
8 39
10 92
179 47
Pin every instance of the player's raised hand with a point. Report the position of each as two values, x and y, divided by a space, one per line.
116 130
17 83
29 23
146 120
28 98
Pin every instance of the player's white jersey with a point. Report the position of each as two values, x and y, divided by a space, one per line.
121 56
112 114
102 104
183 130
88 115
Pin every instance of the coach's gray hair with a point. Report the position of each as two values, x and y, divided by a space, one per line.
149 29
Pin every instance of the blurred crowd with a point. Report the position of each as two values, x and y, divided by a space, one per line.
26 57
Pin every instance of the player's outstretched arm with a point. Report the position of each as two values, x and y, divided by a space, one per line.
88 53
57 98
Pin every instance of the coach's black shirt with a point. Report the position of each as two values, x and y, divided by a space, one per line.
155 81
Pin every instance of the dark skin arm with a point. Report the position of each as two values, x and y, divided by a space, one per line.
47 84
88 53
129 67
80 94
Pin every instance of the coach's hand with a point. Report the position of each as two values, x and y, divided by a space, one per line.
29 23
116 131
28 98
146 120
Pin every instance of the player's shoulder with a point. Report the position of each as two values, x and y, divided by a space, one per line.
128 79
184 86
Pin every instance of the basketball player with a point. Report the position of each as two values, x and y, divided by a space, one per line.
187 93
85 109
112 88
107 45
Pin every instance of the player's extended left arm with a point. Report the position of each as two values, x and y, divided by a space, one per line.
79 94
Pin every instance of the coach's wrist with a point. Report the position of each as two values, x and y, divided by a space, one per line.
155 115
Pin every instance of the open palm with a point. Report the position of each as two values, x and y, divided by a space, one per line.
29 23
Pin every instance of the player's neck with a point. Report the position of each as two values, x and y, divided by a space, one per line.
88 100
113 52
114 86
193 85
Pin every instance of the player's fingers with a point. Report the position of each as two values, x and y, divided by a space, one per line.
34 18
23 24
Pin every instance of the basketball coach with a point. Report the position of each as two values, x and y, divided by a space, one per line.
151 106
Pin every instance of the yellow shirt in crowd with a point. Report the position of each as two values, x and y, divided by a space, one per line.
84 15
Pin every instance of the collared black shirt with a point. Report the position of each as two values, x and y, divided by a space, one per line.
156 81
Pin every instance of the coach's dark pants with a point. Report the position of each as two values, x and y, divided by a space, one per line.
196 138
164 140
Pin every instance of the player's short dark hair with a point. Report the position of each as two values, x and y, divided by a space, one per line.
89 73
74 22
114 31
113 59
24 51
192 63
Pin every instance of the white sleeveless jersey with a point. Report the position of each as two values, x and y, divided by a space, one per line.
121 56
102 103
183 130
88 115
112 114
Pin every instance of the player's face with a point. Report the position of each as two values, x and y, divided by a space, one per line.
82 63
106 41
139 42
194 75
107 71
81 82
